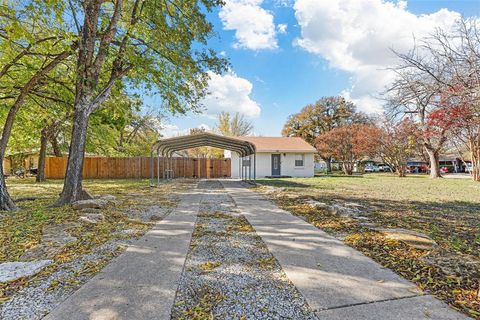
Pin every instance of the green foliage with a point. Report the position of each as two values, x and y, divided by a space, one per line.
165 47
322 116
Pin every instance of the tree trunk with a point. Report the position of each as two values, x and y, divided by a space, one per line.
72 187
6 202
434 162
329 165
41 157
401 171
348 169
56 148
475 154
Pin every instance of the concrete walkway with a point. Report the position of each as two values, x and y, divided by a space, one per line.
337 281
142 282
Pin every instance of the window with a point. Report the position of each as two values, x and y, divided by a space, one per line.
299 159
246 162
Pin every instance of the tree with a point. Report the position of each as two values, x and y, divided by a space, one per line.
349 144
201 152
31 48
398 143
151 44
441 72
236 126
415 94
324 115
459 107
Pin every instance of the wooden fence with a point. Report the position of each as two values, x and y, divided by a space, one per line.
139 167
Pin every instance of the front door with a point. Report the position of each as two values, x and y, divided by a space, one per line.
275 164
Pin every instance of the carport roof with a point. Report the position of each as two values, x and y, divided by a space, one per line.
168 145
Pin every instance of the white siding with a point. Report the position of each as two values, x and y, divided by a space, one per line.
287 165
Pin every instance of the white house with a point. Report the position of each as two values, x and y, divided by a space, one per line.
277 156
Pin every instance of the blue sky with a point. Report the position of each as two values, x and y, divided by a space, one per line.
288 53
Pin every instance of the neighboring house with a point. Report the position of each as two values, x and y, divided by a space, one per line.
277 156
20 161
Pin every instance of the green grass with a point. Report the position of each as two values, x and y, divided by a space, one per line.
387 187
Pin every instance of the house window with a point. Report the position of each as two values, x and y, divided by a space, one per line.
299 160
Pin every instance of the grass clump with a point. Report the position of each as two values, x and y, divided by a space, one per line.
209 266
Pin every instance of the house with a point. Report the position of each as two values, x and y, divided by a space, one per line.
20 161
276 156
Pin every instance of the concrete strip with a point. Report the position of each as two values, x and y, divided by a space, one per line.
416 308
327 272
142 282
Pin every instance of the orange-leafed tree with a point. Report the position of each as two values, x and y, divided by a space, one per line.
350 144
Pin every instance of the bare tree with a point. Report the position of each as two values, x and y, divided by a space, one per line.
235 125
462 51
416 91
398 142
439 82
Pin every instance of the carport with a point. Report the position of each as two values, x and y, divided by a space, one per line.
164 150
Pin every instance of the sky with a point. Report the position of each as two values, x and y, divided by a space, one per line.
285 54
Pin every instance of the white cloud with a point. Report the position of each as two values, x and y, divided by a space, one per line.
172 130
230 93
253 25
357 36
282 28
205 127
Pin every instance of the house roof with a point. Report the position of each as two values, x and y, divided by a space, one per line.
279 144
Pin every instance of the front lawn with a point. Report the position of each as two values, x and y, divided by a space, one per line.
447 210
27 234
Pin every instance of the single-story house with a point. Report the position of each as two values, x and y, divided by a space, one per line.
20 161
276 157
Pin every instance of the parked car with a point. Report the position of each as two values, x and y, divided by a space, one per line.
384 168
444 170
372 168
469 168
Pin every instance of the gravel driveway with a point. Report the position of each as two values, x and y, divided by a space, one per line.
229 272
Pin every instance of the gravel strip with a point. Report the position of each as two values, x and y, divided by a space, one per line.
229 272
39 298
44 293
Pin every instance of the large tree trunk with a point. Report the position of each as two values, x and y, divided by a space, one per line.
72 187
42 155
6 202
434 162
